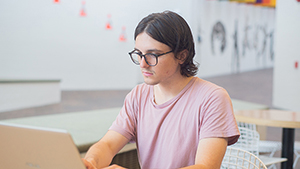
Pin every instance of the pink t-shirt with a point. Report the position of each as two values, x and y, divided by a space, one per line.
167 135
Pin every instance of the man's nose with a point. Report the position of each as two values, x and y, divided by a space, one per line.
143 63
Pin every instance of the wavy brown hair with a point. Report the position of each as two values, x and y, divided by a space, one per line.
171 29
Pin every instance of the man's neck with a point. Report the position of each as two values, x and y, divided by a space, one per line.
167 91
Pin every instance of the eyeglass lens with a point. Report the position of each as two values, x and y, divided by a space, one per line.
149 58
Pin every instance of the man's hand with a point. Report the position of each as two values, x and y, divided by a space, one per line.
88 164
114 166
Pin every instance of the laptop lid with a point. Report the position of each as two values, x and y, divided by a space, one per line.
27 147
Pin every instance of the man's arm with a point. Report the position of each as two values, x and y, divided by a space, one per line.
101 153
210 153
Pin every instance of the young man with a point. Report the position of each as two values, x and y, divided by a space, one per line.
177 120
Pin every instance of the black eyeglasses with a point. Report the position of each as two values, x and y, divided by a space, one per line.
150 58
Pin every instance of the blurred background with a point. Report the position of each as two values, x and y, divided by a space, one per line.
83 45
62 56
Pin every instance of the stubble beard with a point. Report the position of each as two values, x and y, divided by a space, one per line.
150 81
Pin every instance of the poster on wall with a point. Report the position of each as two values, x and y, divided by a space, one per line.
216 41
235 37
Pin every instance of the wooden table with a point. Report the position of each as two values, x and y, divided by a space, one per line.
244 105
288 120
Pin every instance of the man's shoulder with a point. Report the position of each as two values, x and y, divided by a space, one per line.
202 89
204 84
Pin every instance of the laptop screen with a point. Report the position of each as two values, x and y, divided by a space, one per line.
28 147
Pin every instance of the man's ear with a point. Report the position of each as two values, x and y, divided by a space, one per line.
182 56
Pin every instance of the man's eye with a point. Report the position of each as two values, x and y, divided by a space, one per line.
136 52
152 54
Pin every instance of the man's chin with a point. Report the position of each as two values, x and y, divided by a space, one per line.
149 81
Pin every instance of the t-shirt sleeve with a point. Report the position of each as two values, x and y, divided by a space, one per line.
125 122
217 117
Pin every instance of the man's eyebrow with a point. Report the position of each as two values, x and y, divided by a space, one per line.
150 50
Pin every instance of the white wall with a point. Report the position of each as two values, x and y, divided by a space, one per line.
44 40
41 39
253 45
24 94
286 89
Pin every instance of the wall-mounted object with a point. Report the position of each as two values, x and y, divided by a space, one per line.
108 25
122 37
82 11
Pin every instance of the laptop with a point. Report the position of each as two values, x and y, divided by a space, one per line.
28 147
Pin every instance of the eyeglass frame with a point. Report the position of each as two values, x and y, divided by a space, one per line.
141 55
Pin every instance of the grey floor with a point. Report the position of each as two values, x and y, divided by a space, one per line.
253 86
